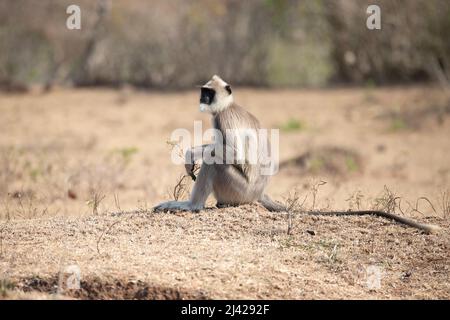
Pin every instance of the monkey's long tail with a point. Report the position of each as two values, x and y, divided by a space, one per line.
273 206
428 228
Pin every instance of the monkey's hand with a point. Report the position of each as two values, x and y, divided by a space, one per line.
173 206
190 168
189 164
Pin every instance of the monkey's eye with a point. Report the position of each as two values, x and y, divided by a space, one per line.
228 88
207 95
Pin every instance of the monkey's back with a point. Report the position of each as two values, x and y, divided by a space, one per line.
237 118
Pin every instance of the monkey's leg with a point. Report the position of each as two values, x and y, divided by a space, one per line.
202 189
172 206
203 186
232 187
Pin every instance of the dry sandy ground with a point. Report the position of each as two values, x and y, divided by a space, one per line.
376 148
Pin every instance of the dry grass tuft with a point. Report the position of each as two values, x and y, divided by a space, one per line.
355 200
293 206
445 203
95 200
386 202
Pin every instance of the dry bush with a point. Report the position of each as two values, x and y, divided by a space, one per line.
19 171
40 179
95 200
180 43
387 201
293 205
416 117
410 46
355 200
28 205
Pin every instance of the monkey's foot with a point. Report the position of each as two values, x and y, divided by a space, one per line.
225 205
174 206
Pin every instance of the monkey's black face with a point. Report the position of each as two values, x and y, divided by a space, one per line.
207 95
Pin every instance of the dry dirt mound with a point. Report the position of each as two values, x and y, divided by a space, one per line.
242 252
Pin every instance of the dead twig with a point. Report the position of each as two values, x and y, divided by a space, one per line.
416 208
315 190
181 187
117 202
355 199
103 233
1 240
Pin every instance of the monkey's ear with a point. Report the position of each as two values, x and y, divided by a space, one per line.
228 88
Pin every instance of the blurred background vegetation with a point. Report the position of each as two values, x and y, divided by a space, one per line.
178 43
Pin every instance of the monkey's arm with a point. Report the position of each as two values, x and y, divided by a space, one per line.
195 153
192 155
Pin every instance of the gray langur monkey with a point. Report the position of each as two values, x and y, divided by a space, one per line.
231 183
237 182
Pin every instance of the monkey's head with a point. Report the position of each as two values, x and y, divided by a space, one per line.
215 95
